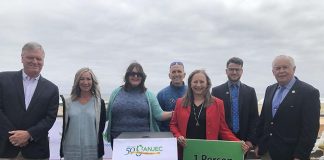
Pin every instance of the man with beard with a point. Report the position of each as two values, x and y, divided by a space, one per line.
240 102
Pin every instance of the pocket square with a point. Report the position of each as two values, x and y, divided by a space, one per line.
291 106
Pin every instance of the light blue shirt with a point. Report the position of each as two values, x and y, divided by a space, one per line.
285 92
30 85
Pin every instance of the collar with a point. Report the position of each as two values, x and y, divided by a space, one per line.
177 87
230 83
290 84
26 77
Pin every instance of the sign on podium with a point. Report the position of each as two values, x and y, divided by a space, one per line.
145 146
212 150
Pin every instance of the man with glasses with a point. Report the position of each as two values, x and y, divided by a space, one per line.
168 96
240 102
289 119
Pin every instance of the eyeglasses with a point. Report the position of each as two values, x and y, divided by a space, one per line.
137 74
176 63
234 69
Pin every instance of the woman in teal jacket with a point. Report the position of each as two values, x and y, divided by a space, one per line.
132 108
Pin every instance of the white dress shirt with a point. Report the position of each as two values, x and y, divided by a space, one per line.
29 87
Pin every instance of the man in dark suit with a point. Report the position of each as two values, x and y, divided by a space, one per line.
289 119
241 108
28 108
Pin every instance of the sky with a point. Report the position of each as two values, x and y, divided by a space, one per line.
108 35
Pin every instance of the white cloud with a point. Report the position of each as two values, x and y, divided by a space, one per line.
108 35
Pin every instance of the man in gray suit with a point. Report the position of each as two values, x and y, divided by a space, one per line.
28 108
289 119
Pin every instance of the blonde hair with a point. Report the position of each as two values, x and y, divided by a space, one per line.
76 91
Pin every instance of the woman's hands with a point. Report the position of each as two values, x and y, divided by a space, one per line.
182 141
245 147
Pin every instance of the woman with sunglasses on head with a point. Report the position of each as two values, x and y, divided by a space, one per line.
132 108
84 118
198 115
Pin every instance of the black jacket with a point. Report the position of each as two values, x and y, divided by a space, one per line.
38 119
248 110
292 132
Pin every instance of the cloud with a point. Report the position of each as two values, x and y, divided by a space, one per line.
108 35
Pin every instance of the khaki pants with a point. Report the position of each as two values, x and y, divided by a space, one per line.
20 157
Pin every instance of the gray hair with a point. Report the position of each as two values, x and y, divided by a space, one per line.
290 59
31 46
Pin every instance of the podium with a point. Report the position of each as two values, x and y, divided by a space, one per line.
145 146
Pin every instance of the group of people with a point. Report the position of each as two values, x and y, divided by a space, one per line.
286 129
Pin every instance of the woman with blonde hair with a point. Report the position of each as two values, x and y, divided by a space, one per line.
84 117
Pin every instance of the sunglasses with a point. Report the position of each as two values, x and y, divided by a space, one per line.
137 74
176 63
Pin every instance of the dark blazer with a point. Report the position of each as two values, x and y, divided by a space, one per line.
37 119
292 132
248 109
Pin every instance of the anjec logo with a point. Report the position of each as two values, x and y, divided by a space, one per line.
143 150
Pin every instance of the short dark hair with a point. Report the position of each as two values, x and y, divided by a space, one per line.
235 60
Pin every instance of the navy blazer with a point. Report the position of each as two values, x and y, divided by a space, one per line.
248 109
37 119
292 132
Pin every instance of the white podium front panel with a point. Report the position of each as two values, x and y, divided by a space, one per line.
130 146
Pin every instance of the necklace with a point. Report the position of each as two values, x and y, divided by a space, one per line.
195 115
